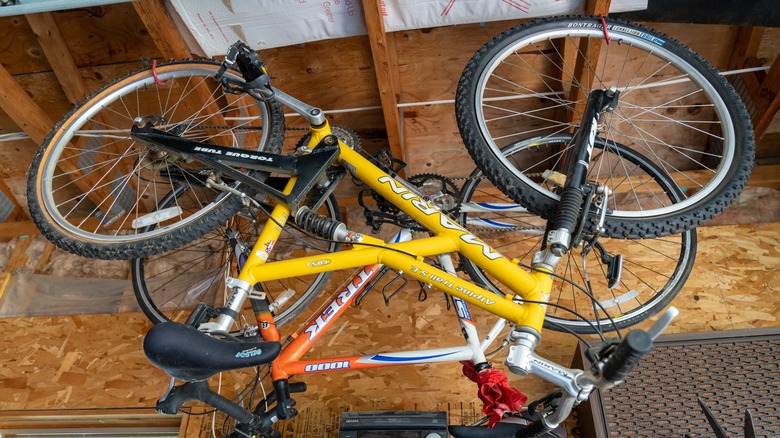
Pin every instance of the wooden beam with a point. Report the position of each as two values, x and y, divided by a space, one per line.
44 258
587 53
597 7
768 100
59 56
23 110
87 418
746 45
162 29
10 230
18 257
763 88
384 53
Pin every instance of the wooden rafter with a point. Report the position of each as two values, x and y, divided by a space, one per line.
383 52
763 87
23 110
162 29
587 52
59 56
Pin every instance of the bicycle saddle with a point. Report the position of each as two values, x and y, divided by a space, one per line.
187 354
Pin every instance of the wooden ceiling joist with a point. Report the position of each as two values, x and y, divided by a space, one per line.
58 55
162 29
383 52
763 87
23 110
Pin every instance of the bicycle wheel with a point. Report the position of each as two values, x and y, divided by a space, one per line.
653 270
92 189
673 107
168 286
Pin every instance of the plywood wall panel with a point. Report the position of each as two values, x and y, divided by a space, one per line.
96 360
19 50
95 36
431 60
105 35
332 74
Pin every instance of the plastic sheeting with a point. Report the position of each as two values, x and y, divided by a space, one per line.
49 295
263 24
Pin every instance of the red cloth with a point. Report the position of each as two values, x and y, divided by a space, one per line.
494 391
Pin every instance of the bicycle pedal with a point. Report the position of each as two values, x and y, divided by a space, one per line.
202 313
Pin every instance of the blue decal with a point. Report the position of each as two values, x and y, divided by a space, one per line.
658 41
249 353
462 308
496 206
496 223
407 359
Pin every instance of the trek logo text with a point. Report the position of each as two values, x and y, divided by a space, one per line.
343 299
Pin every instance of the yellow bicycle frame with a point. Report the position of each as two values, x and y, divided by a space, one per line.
407 257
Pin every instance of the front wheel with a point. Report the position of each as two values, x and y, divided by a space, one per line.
589 293
94 191
673 107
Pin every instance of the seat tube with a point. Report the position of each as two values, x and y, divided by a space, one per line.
243 285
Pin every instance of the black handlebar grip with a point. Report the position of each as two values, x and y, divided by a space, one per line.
536 429
177 396
628 353
200 391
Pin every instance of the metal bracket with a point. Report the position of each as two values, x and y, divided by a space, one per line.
311 169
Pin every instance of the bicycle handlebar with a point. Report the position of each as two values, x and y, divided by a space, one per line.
626 356
613 364
620 360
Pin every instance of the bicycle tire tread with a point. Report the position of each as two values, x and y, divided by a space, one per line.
177 237
678 221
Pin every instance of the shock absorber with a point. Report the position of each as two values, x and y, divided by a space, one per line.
570 205
324 226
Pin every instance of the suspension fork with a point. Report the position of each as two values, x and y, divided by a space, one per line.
576 168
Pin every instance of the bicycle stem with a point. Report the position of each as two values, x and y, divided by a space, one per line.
578 384
312 114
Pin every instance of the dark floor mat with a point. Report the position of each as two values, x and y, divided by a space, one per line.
730 370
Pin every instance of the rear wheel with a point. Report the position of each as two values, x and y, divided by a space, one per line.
168 286
653 270
94 191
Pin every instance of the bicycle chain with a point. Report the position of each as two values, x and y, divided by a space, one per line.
456 211
249 128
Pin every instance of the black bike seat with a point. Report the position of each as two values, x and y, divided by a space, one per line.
188 354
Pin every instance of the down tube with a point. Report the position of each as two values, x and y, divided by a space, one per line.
532 287
487 258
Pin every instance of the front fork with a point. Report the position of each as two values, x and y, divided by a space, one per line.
521 358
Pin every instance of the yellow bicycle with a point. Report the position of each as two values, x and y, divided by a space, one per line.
128 176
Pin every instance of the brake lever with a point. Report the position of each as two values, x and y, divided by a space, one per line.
662 323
